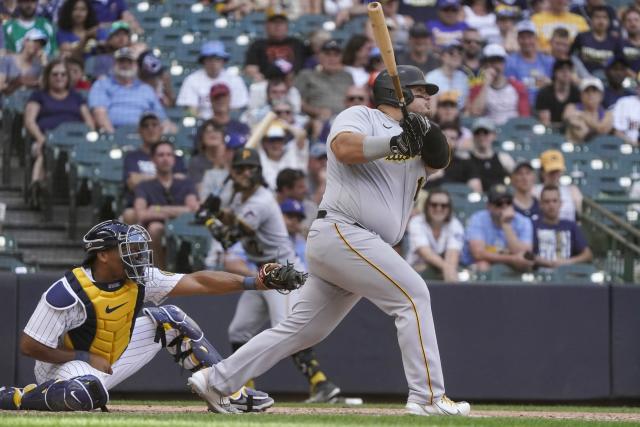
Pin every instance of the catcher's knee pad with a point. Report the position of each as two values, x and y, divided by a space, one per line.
306 361
83 393
186 341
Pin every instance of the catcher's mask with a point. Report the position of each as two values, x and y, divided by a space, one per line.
132 242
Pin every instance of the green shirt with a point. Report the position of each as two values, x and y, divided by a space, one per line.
14 30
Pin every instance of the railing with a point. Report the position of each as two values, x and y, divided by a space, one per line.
613 240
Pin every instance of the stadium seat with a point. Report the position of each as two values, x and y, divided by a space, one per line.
181 230
575 273
68 135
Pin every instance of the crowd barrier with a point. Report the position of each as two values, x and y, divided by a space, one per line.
520 342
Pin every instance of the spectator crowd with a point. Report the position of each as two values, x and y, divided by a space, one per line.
572 65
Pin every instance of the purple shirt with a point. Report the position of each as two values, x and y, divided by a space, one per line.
444 35
593 53
54 112
108 10
557 241
156 194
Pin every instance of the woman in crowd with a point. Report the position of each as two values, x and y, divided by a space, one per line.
436 237
356 58
77 28
209 151
23 69
588 118
46 109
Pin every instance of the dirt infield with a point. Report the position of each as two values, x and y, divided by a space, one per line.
284 410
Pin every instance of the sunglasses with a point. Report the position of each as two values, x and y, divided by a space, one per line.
502 203
439 205
354 98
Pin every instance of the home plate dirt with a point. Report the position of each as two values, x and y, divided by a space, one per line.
284 410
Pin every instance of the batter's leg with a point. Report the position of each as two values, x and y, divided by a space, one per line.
362 263
319 309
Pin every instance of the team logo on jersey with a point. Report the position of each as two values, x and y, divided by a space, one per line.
398 158
111 310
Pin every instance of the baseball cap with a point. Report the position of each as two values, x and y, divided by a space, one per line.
245 157
36 34
522 163
219 89
292 207
525 26
498 193
494 50
214 48
118 26
275 131
443 4
505 11
375 52
419 30
147 115
318 150
448 97
150 64
124 53
234 140
588 82
276 12
331 45
552 160
483 123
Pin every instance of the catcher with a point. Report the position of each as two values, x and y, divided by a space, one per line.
252 216
89 331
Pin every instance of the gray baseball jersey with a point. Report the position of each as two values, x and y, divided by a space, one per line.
349 255
367 193
262 213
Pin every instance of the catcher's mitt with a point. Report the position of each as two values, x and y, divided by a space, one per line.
435 151
283 278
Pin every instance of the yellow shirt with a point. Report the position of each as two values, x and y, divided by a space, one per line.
546 22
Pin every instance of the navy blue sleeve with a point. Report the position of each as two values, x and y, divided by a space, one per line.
179 166
535 238
578 243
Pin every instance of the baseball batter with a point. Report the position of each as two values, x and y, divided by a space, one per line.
374 172
89 331
264 237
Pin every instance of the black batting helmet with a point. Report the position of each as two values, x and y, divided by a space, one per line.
384 93
249 157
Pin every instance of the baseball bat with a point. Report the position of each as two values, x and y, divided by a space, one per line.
260 129
383 41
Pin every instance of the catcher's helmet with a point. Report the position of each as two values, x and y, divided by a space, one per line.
132 242
383 92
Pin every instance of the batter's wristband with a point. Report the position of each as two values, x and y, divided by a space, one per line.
81 355
249 283
376 147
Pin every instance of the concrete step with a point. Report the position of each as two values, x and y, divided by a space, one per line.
53 259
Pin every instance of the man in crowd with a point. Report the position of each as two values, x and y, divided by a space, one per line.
139 167
323 89
220 98
472 53
419 50
194 92
492 166
164 197
449 77
631 43
617 70
292 184
523 180
626 118
450 23
557 15
277 45
121 99
597 47
552 99
498 234
529 66
560 44
498 97
557 241
14 29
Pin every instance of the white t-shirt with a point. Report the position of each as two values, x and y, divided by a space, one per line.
47 324
358 74
293 158
485 24
626 116
502 104
194 91
421 235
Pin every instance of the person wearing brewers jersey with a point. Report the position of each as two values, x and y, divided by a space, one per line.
264 238
89 331
373 175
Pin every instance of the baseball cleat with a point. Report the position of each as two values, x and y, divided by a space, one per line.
215 401
444 406
323 392
250 400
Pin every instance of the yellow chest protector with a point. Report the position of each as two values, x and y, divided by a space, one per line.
110 318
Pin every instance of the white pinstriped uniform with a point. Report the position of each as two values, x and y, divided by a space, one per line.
48 326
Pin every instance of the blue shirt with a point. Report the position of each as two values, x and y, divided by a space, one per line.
558 241
458 83
108 10
481 227
443 34
125 104
54 112
525 71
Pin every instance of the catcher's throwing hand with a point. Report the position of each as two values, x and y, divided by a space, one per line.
283 278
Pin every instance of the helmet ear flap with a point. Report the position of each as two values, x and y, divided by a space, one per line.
408 96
